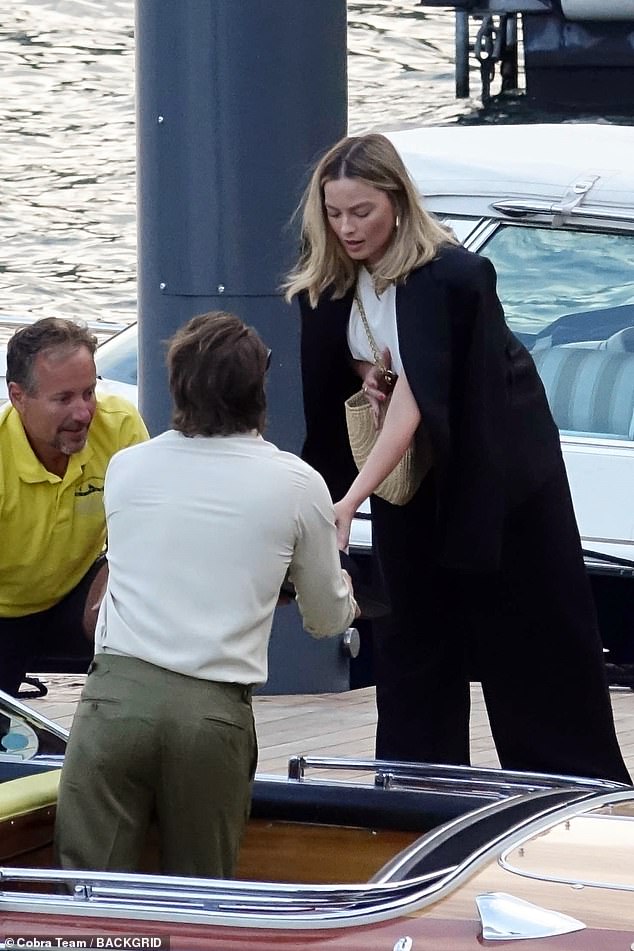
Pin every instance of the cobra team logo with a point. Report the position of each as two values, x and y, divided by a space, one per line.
89 496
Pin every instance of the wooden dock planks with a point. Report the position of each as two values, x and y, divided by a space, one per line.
332 724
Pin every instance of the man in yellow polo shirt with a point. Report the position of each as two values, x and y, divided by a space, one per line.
56 439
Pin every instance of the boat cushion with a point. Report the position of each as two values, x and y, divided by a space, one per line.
24 795
589 391
366 807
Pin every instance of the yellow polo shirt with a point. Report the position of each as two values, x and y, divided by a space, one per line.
52 529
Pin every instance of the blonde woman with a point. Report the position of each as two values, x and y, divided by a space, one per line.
483 567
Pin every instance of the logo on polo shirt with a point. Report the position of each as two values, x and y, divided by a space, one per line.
89 496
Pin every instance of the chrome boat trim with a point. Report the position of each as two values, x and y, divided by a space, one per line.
263 905
32 716
507 918
526 207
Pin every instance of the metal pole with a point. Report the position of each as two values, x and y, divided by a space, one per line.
509 64
235 99
462 54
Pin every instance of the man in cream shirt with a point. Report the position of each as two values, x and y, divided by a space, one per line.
204 522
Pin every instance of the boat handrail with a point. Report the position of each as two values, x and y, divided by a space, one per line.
524 207
475 780
88 891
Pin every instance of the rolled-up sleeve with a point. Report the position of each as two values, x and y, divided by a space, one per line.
323 597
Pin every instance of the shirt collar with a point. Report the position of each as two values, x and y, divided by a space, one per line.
29 467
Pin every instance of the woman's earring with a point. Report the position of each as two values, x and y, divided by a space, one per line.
397 222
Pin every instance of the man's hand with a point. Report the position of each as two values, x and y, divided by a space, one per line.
348 580
93 600
287 591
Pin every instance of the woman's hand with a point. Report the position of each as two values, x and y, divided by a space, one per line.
402 419
375 386
344 513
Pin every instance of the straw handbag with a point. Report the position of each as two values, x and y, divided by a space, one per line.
403 481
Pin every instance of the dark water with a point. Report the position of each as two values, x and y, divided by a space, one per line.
67 151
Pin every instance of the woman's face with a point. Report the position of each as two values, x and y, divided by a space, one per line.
361 216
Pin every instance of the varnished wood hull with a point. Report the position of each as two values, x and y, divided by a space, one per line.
341 864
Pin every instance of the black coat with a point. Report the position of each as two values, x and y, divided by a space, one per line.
479 394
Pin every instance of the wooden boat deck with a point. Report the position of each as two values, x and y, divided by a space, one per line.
334 724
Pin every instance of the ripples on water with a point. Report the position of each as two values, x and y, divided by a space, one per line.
67 218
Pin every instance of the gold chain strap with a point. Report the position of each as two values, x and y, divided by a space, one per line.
389 376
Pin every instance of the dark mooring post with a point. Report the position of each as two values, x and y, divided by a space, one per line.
462 54
235 99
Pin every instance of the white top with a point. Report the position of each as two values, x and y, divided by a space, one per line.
201 532
381 314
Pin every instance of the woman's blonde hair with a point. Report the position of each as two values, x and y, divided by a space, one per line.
323 262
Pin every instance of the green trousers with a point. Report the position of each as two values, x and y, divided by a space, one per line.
146 745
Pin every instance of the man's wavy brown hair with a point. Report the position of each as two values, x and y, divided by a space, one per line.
217 366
